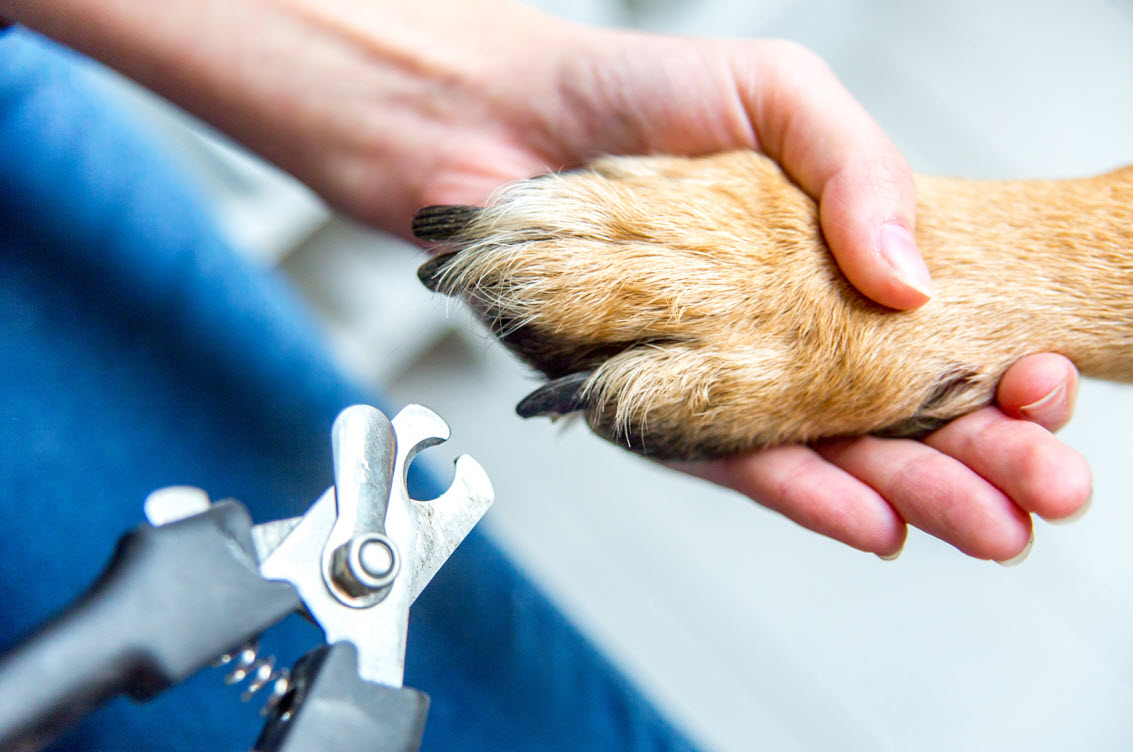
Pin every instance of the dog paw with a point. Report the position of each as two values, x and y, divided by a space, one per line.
690 308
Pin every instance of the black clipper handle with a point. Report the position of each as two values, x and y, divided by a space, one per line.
328 706
171 600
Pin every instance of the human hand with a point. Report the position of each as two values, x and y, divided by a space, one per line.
973 483
623 93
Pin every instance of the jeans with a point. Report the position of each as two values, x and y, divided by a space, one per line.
138 350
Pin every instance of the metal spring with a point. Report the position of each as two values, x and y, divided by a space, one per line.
259 672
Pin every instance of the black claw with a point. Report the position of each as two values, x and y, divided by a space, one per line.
443 222
430 272
556 397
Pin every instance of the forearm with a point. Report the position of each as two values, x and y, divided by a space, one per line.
330 91
217 58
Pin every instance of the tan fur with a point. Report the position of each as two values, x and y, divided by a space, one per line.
701 296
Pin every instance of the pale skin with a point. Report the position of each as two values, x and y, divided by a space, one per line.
384 108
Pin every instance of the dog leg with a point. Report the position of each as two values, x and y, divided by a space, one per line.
691 309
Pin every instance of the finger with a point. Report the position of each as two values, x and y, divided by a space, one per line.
875 249
1040 388
803 487
809 123
937 494
1024 460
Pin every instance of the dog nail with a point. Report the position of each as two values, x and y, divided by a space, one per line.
557 397
431 271
443 222
1019 558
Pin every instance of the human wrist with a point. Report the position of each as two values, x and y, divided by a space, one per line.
443 113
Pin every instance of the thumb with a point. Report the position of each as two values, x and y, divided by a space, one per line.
808 122
867 210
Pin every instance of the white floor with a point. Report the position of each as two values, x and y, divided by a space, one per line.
749 632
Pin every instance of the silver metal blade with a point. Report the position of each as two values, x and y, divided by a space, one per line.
446 520
426 532
378 632
267 536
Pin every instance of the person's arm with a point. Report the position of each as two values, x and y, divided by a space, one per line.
380 106
384 108
354 99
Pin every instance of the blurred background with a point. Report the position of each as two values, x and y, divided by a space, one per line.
749 632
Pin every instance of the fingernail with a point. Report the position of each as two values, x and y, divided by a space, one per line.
899 249
1078 513
893 556
1049 409
1015 561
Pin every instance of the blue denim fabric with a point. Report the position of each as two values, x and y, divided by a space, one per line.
137 350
